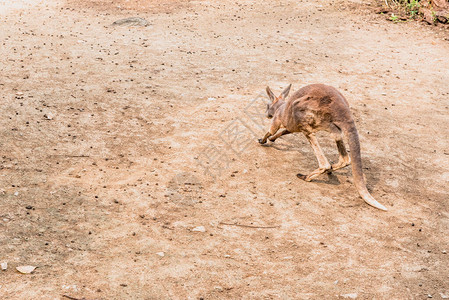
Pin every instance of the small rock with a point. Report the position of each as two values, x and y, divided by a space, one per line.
429 296
199 229
16 194
350 296
48 116
211 99
219 289
4 266
444 252
227 256
161 254
444 296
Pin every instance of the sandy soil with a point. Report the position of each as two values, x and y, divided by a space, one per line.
118 143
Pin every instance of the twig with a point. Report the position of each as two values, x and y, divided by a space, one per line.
69 155
248 226
72 298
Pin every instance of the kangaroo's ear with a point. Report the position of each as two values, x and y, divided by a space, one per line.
270 94
286 91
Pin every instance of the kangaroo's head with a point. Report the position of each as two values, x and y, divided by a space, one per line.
276 101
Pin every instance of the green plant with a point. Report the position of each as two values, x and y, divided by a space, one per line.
394 18
412 7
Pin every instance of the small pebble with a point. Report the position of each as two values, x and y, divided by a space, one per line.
199 229
350 296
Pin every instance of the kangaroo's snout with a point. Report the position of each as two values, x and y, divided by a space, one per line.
269 116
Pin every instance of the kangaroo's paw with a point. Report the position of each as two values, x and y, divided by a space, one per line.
314 174
272 139
301 176
261 141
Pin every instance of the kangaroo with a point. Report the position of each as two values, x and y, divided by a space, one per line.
313 108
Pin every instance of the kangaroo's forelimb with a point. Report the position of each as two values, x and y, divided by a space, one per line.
279 134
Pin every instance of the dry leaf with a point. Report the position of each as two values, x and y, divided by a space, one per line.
25 269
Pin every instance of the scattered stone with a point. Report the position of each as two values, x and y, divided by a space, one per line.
48 116
133 21
199 229
219 289
211 98
161 254
4 266
444 296
350 296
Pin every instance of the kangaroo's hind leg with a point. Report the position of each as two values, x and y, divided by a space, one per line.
343 159
324 165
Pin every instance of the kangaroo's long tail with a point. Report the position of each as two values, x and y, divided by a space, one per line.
354 146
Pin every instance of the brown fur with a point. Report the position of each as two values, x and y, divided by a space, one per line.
313 108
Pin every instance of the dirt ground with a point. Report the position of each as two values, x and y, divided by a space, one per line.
130 167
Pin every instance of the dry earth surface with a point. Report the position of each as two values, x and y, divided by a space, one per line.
117 143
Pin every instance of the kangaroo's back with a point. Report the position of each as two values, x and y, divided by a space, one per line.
319 96
313 107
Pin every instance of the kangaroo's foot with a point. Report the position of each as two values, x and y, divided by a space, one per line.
314 174
341 164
